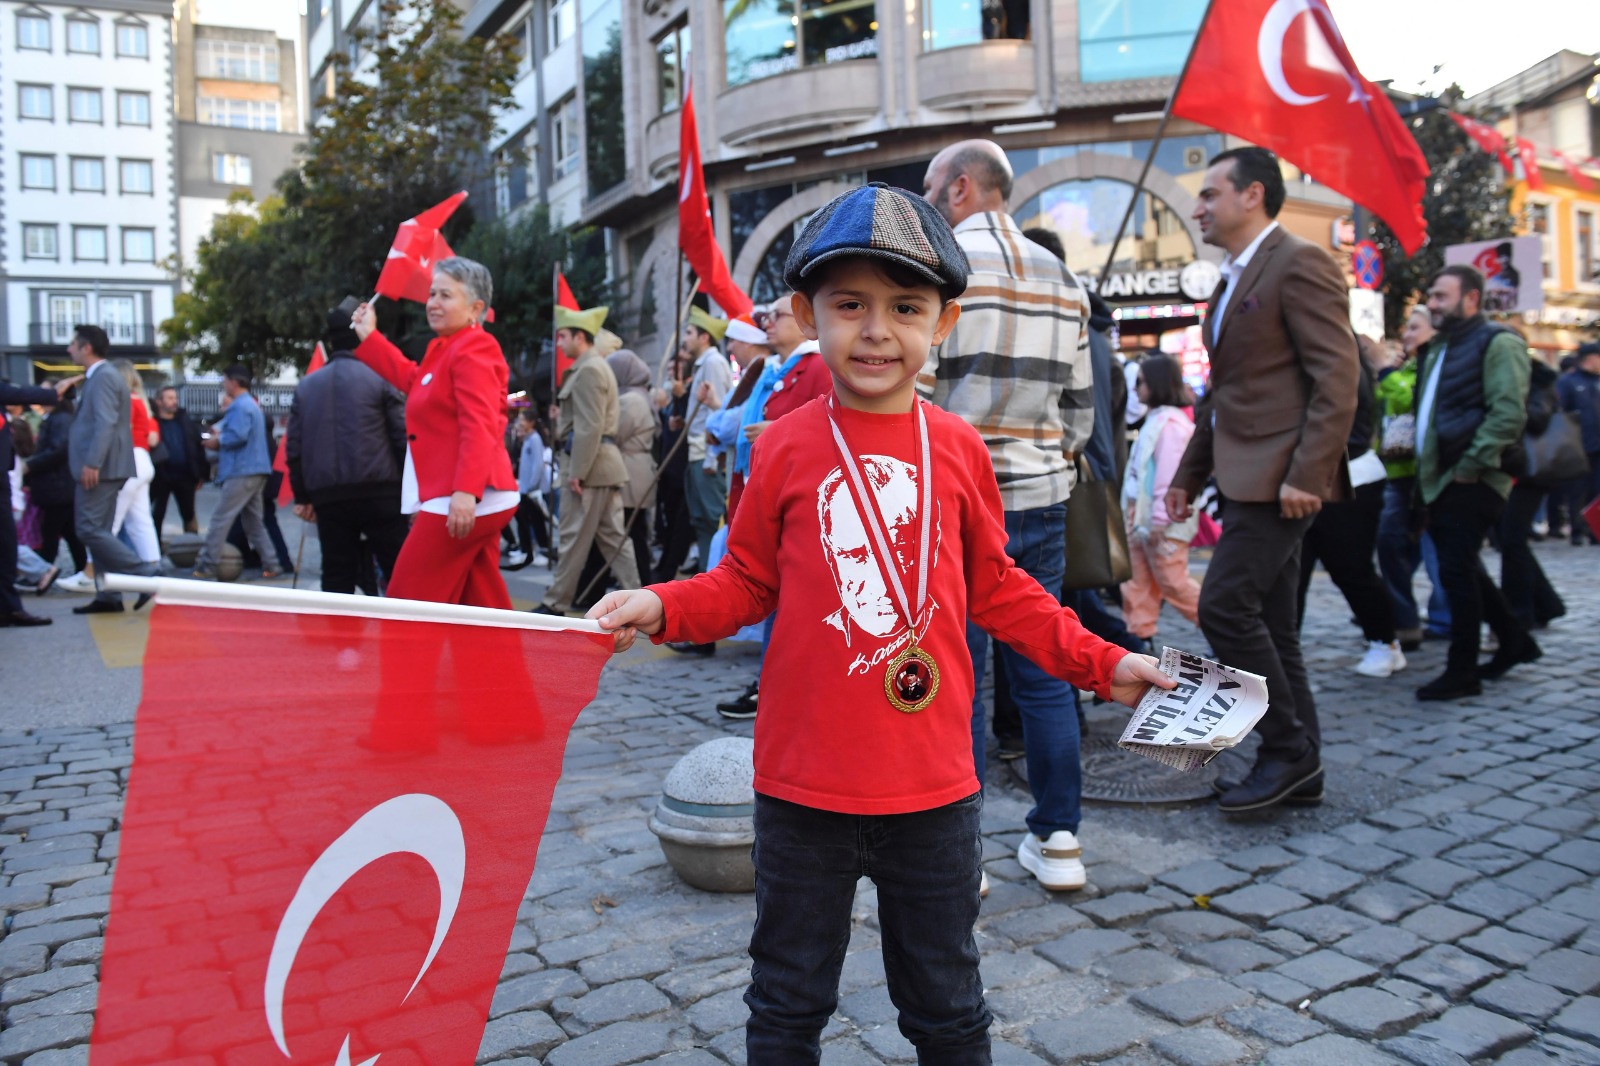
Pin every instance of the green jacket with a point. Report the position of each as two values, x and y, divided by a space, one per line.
1397 391
1505 402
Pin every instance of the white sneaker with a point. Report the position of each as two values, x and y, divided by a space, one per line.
79 582
516 558
1056 862
1381 660
983 885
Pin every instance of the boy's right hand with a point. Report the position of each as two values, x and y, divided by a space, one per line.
628 613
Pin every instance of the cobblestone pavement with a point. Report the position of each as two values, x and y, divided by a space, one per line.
1440 908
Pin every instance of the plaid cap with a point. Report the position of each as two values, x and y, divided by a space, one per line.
885 223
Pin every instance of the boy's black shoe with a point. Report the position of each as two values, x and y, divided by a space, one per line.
742 708
689 647
1503 660
1448 686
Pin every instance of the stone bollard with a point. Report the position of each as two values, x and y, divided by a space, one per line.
705 819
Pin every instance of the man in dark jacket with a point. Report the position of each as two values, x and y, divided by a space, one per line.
184 466
346 452
11 612
1580 392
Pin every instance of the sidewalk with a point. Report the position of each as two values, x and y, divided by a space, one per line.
1440 908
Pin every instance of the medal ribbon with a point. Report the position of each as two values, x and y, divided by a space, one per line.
873 520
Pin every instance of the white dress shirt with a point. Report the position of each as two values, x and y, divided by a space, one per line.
1232 269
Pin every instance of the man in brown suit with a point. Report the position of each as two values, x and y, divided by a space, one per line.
592 470
1273 424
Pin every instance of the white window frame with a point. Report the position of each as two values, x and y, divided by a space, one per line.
122 176
564 132
33 229
214 56
49 31
105 244
1550 245
72 173
82 20
132 95
81 92
254 112
65 311
49 95
123 332
132 24
26 158
131 231
1586 276
224 164
562 14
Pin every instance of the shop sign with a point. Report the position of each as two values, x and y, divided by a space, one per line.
1196 281
1512 269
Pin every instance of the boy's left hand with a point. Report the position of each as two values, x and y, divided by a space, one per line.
1134 676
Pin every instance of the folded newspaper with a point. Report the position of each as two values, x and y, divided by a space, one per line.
1212 709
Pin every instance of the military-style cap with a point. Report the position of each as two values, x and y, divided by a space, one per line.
590 321
717 327
883 223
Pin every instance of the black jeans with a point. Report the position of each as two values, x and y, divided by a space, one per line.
1250 612
55 525
1458 521
926 867
532 523
1580 493
1343 537
340 526
1533 600
166 486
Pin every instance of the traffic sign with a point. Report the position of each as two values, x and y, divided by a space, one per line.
1367 262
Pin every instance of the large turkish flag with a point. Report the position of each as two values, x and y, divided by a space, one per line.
1278 74
331 822
695 237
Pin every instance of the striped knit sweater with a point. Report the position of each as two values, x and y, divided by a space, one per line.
1016 366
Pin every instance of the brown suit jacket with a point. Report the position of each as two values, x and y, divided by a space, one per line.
1284 374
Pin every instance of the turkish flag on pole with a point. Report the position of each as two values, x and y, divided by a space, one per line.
1570 165
564 297
1484 136
1528 156
280 461
417 245
695 235
324 865
1278 74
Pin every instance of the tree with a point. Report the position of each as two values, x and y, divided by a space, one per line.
406 127
1467 199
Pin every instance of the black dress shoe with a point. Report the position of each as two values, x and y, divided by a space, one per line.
144 598
688 647
1307 795
545 608
1271 781
23 618
99 607
1501 662
1448 686
742 708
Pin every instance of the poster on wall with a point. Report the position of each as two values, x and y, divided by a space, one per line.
1512 269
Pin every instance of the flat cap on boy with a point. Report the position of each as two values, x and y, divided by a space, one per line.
884 223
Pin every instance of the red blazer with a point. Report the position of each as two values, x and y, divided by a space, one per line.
455 410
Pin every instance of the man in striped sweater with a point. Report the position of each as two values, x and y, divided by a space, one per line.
1016 367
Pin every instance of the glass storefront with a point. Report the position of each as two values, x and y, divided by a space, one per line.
953 23
1120 39
1085 214
767 37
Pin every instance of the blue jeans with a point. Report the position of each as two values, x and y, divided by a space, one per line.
1049 706
926 866
1398 558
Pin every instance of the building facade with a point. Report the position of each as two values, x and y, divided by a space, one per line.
88 197
239 117
797 100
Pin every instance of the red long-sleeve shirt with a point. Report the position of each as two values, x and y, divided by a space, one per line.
827 737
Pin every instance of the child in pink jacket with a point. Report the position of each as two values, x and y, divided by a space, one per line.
1158 547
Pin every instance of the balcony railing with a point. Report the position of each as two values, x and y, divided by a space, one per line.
57 334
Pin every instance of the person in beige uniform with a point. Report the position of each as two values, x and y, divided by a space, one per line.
592 470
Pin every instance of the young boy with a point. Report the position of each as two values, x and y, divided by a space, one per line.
872 523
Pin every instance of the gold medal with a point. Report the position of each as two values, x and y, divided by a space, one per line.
911 680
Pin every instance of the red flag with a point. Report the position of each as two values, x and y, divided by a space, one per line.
1277 72
564 297
1570 165
280 461
325 865
695 235
563 361
1484 136
408 271
1528 156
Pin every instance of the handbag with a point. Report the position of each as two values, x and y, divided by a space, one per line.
1399 438
1556 456
29 528
1097 540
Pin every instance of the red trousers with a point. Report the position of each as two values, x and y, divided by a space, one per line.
436 567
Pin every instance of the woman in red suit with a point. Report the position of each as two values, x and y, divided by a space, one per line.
458 480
